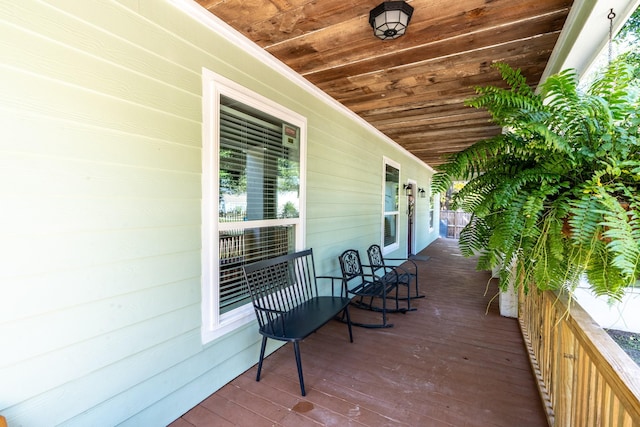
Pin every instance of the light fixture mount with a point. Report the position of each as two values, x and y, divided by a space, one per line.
390 19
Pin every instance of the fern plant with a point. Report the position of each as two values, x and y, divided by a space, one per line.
556 196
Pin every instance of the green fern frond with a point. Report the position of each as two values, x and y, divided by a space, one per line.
503 104
466 164
585 219
603 278
441 182
623 235
612 83
514 78
489 259
473 195
474 236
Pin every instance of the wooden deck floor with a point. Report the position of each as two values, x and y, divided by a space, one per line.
446 364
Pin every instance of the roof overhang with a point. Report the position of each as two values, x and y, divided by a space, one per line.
586 33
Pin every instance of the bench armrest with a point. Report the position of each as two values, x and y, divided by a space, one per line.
343 286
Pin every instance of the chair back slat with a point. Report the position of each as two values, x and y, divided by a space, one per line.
375 256
376 261
350 264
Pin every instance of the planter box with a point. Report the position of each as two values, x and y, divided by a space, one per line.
623 315
508 301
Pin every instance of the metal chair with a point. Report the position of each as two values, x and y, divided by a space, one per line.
367 286
288 306
405 273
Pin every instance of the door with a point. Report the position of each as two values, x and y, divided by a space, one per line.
411 203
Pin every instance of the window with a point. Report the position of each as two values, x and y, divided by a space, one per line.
253 193
391 214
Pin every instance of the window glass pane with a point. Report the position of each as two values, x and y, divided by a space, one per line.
390 227
259 165
245 246
391 204
392 180
431 212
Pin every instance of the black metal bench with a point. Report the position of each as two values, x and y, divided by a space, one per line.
284 292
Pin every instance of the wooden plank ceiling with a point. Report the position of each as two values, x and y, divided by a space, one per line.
412 88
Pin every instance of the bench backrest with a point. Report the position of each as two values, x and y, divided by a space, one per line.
278 285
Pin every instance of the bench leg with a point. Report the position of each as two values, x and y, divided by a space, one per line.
346 312
262 349
296 350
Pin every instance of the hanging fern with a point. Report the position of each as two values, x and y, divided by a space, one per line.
545 194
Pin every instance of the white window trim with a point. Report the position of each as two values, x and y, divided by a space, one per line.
432 207
388 249
215 325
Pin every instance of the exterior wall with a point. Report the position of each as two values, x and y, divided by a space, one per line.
100 169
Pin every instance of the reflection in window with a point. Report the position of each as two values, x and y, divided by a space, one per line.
259 165
259 179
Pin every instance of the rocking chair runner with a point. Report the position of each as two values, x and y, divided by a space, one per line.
403 275
367 286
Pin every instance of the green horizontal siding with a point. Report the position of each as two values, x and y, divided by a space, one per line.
100 188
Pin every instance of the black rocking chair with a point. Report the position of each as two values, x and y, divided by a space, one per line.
367 286
405 273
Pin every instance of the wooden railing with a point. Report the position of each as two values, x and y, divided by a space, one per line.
585 378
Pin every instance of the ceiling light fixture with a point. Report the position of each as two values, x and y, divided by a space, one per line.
390 19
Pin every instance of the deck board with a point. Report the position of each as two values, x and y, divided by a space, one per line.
446 364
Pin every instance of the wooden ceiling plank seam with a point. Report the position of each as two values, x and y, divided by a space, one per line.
410 129
498 12
450 88
444 57
431 44
461 94
412 121
469 82
479 57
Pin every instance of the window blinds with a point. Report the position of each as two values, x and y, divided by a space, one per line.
251 150
245 247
